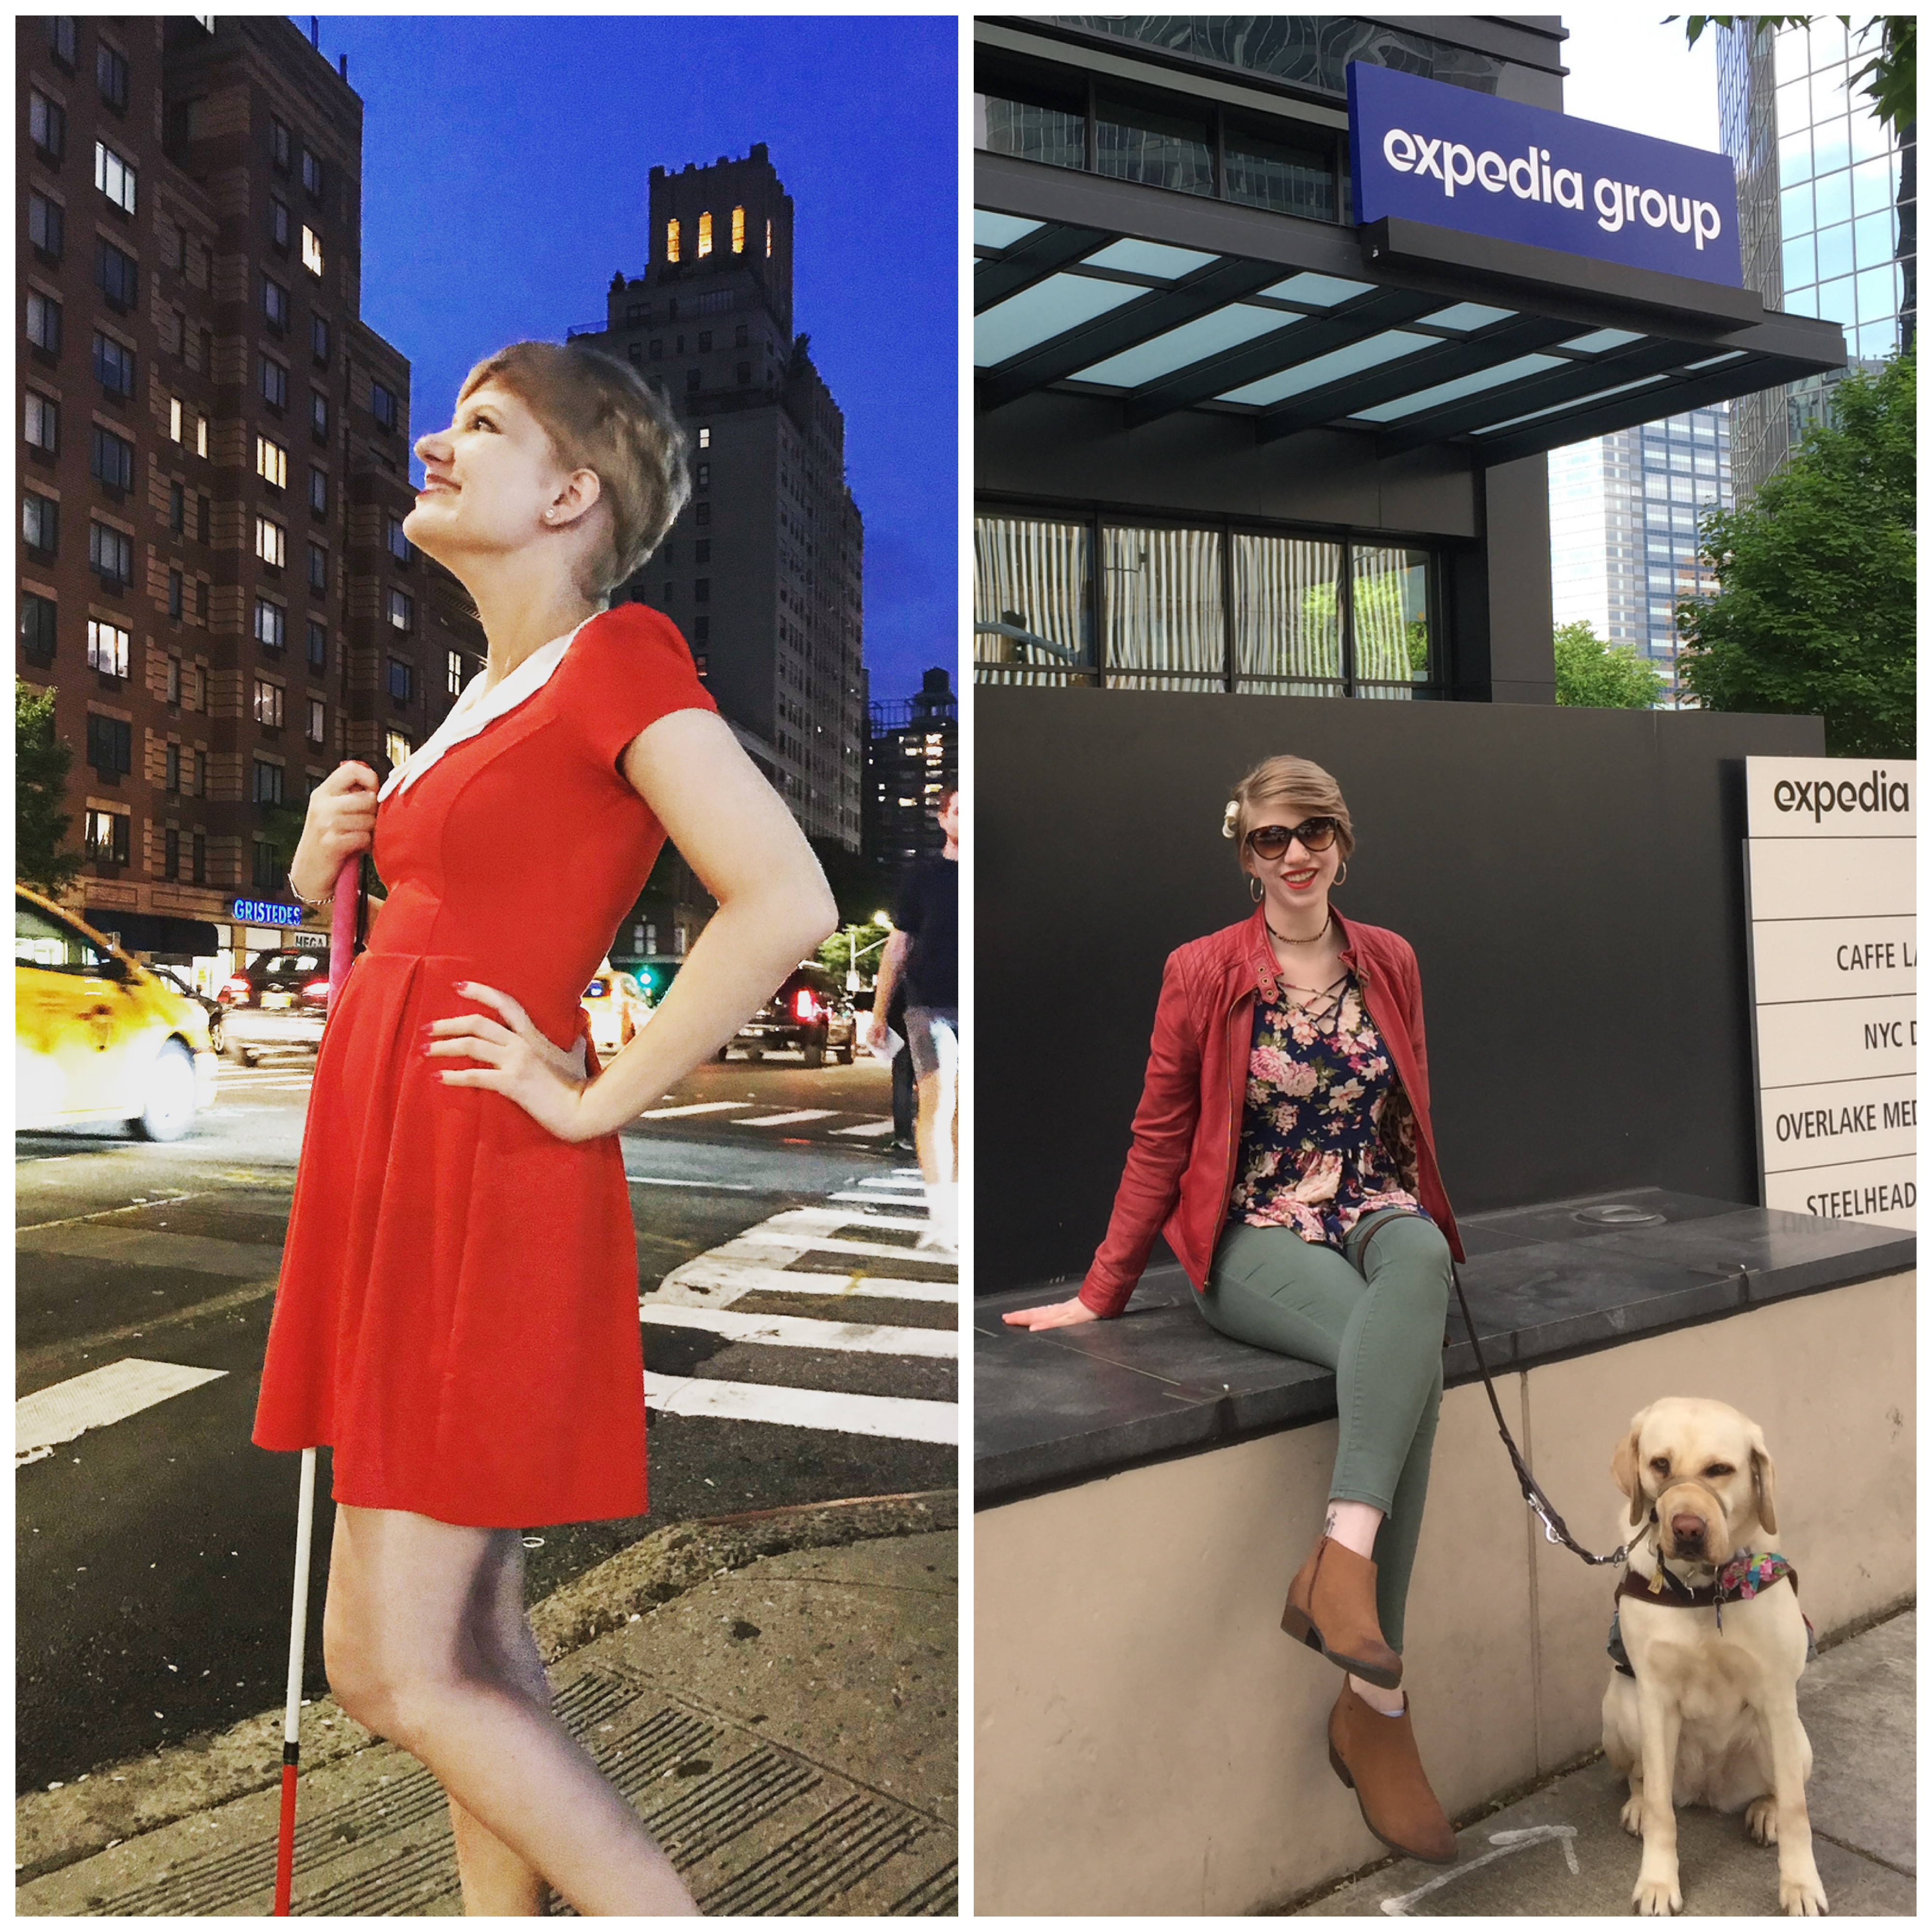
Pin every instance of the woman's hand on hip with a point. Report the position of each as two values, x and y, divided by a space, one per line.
1053 1314
519 1061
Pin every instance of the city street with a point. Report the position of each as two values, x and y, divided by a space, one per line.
796 1351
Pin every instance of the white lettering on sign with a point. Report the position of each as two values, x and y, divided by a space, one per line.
1834 954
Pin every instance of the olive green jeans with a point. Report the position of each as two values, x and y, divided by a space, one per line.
1374 1314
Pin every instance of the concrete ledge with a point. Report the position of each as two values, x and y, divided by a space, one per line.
1148 1741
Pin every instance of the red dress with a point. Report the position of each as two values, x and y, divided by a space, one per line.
457 1308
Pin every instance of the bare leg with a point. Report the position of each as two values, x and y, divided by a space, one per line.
1354 1526
401 1638
926 1126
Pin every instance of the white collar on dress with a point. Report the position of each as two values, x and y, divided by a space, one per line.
476 707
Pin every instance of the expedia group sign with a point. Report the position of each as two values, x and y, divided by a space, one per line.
1426 151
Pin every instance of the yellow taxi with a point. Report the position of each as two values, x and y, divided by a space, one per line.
615 1010
96 1036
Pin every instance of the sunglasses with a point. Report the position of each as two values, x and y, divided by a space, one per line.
1270 842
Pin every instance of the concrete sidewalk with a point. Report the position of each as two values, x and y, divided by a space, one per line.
776 1694
1561 1852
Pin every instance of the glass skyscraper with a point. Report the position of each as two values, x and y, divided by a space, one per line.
1827 211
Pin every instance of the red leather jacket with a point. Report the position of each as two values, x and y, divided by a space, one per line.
1187 1128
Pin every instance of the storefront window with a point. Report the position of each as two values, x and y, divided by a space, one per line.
1390 609
1288 617
1164 613
1143 143
1032 602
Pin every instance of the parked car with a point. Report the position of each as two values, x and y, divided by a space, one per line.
810 1012
617 1008
278 999
97 1035
211 1007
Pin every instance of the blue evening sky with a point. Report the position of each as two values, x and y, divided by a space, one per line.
506 166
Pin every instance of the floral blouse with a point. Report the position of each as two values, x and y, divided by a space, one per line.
1328 1135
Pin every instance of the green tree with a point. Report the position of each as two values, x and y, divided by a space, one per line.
836 954
1815 609
1590 672
41 762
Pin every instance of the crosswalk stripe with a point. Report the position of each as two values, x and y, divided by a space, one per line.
817 1219
867 1130
879 1200
800 1331
695 1107
885 1415
95 1399
787 1120
746 1278
834 1244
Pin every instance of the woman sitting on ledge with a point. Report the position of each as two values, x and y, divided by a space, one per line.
1330 1239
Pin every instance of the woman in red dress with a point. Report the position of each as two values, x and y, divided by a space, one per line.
456 1313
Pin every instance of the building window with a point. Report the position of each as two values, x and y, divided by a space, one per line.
174 596
400 548
455 673
177 507
402 680
318 569
117 275
171 850
106 834
278 143
768 239
199 847
44 323
744 373
174 419
268 702
737 231
174 685
704 342
703 235
274 303
670 228
704 439
39 523
311 251
268 782
201 600
106 648
110 555
271 463
311 174
113 366
278 223
46 226
171 772
692 380
39 617
318 340
113 459
60 38
46 125
315 721
201 435
318 491
402 610
704 478
318 645
382 405
742 339
271 542
318 415
274 383
42 417
270 624
702 514
701 591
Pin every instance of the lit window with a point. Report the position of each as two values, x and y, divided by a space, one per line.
270 624
201 435
402 612
174 419
396 747
737 231
311 251
271 463
704 439
268 702
269 545
114 177
768 240
670 242
315 720
107 648
43 421
106 832
455 673
704 235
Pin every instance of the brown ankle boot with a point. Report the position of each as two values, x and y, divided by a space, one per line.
1331 1608
1376 1756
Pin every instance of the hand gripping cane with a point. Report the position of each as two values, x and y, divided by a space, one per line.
341 949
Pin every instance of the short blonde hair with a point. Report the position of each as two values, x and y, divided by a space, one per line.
601 415
1286 781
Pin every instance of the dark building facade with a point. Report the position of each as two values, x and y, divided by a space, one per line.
912 761
212 575
764 571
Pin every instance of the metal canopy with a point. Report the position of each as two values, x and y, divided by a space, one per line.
1407 334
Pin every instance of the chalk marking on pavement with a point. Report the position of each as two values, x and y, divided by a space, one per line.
696 1107
100 1214
743 1278
867 1130
799 1331
786 1120
1504 1843
897 1416
100 1397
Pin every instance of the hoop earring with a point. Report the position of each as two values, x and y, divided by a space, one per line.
1254 891
1342 872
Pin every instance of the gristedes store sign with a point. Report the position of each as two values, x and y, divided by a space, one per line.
1835 1005
1422 150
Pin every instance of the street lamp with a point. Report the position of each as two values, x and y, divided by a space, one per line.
856 952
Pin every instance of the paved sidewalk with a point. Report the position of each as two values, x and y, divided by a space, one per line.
787 1724
1561 1852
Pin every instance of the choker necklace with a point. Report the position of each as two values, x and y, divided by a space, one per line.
1286 941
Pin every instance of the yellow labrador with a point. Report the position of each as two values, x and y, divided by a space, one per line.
1709 1716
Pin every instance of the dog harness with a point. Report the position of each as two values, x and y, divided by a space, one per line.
1740 1579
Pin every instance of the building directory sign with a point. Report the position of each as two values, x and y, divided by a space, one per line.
1426 151
1833 958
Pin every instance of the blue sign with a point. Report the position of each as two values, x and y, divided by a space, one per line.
1422 150
265 912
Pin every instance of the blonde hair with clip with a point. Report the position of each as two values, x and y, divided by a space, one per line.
1286 781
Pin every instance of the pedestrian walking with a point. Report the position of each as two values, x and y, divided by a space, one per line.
923 956
905 1089
1331 1240
457 1312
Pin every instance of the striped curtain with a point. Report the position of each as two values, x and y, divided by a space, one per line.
1287 631
1391 602
1033 576
1163 611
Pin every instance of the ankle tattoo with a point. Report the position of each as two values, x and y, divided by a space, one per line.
1328 1528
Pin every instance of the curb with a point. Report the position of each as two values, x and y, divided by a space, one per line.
119 1801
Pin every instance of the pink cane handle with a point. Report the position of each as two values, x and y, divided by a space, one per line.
342 923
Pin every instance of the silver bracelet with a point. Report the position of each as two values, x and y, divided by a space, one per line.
316 905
